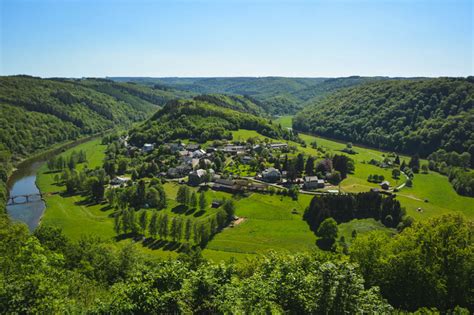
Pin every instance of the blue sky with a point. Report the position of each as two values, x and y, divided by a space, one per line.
75 38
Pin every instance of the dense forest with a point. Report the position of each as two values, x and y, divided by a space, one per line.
429 265
276 95
411 116
204 118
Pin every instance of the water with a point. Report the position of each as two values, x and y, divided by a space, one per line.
23 182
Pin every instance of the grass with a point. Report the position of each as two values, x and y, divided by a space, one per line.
361 226
269 224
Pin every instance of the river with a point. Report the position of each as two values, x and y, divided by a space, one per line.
23 182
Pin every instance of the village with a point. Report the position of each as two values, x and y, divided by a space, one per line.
234 167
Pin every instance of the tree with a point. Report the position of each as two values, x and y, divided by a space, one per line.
202 201
309 168
409 183
117 223
175 231
414 163
328 229
334 178
397 160
299 165
163 228
182 196
96 189
140 195
229 208
153 227
187 230
396 173
193 200
143 221
343 165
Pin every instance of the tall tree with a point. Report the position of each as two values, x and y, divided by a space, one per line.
143 221
309 168
153 227
202 201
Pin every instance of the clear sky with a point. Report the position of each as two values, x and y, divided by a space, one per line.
309 38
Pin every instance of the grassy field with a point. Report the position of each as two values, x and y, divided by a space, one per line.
361 226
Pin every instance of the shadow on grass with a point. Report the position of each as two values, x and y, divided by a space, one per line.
190 211
165 245
106 207
199 213
52 172
179 209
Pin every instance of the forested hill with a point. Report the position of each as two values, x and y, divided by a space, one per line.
277 95
36 113
206 117
412 116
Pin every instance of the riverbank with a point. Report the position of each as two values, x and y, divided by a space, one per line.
22 180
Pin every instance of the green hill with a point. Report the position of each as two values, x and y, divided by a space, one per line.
206 117
36 113
275 95
411 116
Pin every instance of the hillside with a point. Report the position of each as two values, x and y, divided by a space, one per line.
276 95
206 117
416 116
36 113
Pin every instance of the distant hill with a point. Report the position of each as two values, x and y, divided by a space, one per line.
36 113
277 95
206 117
412 116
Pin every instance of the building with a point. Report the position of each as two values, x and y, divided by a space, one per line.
193 147
179 171
119 180
148 147
385 185
271 175
234 149
247 159
198 153
200 176
313 182
278 146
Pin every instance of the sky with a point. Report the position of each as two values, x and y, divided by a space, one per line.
225 38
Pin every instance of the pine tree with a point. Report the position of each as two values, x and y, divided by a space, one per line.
117 223
193 200
202 201
187 230
143 221
309 168
153 227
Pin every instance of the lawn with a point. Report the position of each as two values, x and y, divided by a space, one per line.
361 226
270 224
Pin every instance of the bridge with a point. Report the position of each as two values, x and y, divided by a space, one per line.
20 199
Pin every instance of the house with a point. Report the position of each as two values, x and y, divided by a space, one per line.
278 146
196 177
193 147
271 175
198 153
226 185
175 147
313 182
385 185
234 149
119 180
148 147
199 176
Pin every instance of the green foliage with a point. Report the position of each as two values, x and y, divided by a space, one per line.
201 120
412 116
427 265
328 229
344 208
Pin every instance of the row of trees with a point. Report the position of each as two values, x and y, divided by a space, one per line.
344 208
335 168
61 162
173 228
141 195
